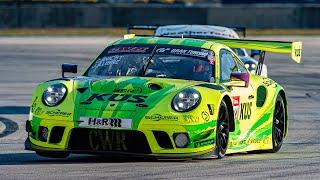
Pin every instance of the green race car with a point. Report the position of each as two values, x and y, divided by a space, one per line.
162 97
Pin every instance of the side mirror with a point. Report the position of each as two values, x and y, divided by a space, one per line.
70 68
238 78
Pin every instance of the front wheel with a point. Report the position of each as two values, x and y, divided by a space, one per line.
278 125
222 132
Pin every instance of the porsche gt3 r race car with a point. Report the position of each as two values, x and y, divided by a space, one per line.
162 97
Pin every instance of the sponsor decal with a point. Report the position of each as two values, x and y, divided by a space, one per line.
190 52
205 115
204 143
58 112
236 100
38 111
185 52
107 140
141 105
191 118
245 112
127 91
268 82
236 105
138 99
109 123
158 117
162 50
107 61
211 108
128 50
265 140
35 109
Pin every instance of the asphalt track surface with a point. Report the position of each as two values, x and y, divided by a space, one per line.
26 61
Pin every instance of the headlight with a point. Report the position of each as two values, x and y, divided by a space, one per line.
186 100
54 94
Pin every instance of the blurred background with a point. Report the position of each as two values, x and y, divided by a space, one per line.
295 15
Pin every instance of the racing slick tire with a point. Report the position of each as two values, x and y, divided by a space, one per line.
222 132
278 124
53 154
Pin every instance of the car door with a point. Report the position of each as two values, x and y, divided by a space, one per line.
242 97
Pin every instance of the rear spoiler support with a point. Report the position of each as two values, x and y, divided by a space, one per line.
260 62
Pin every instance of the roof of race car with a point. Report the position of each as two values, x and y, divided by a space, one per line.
166 40
196 30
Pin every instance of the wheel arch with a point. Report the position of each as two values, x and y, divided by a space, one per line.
284 97
228 102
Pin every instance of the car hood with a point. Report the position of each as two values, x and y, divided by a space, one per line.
124 96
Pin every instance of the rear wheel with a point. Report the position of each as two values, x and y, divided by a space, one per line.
222 132
278 125
53 154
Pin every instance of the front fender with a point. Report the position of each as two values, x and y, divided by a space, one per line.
62 112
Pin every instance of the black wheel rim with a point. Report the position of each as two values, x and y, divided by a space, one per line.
223 130
278 123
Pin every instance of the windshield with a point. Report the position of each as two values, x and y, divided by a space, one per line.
164 61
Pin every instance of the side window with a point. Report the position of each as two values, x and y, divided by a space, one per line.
241 67
227 65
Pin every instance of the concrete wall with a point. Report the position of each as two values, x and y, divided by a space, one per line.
103 15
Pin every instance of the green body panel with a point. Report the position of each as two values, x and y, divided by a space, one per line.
120 97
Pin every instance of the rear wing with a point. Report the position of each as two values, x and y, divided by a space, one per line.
293 48
152 28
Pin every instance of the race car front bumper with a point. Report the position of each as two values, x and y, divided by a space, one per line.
63 137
